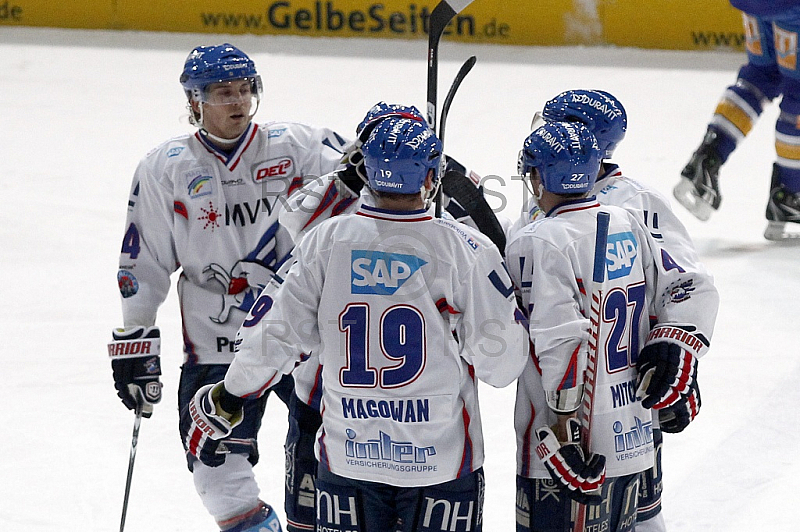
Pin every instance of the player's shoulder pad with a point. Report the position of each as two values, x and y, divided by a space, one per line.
170 148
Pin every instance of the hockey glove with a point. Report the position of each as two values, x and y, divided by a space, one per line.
677 417
667 364
351 179
136 364
581 477
204 423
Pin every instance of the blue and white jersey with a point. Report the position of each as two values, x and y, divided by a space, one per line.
405 313
214 215
551 261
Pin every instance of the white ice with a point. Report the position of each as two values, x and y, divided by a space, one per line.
78 109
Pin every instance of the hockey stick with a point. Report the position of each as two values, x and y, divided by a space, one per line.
590 377
440 17
134 442
458 185
448 100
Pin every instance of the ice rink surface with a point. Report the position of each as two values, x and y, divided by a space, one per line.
78 109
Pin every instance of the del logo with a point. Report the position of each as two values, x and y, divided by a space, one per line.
375 272
621 253
280 167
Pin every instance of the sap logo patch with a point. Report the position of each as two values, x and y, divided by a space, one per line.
280 167
375 272
621 252
174 152
275 133
199 183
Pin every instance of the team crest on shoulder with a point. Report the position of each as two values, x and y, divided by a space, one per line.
376 272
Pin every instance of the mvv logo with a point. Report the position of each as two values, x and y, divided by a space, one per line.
375 272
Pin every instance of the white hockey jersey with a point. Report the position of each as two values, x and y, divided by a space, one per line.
654 212
317 201
380 297
215 216
551 262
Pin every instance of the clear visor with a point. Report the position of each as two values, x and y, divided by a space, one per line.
538 121
237 91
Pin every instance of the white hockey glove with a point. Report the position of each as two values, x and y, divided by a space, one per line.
204 423
667 364
580 476
135 355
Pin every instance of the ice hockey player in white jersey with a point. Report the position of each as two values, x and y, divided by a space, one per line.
207 204
551 261
405 313
343 192
606 117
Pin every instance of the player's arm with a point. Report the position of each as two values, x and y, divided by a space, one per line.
280 327
685 303
147 258
319 199
492 328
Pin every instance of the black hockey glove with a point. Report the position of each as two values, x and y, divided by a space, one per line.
677 417
136 364
204 423
667 364
350 177
580 477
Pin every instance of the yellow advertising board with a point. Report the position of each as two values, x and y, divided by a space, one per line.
667 24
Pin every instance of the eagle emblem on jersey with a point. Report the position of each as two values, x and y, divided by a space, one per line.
376 272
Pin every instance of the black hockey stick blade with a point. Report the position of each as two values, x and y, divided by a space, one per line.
460 188
448 100
471 199
440 17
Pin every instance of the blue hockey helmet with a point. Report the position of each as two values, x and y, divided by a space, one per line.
565 154
217 64
398 155
598 110
383 110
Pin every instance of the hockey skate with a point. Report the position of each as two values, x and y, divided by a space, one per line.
783 212
263 520
698 189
